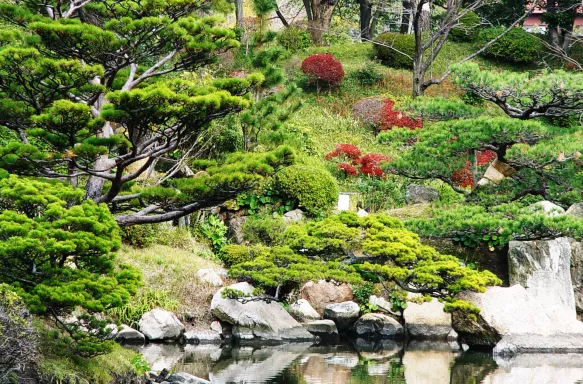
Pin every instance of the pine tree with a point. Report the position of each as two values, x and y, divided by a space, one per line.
91 91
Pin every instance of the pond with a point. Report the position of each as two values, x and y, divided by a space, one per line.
361 362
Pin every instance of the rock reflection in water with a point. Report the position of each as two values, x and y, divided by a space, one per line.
362 362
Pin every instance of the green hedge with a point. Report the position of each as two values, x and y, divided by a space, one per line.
517 46
403 45
314 189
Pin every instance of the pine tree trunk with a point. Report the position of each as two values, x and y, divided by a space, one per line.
239 13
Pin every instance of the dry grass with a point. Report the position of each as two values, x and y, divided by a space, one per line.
174 270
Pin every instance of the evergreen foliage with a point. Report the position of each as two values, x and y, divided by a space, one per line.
57 253
313 188
327 249
517 46
468 28
396 50
92 92
525 95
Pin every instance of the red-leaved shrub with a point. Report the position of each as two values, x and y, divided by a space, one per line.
391 118
370 164
464 177
323 67
349 151
352 162
349 170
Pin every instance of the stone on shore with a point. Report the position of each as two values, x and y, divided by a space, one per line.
129 335
159 324
343 314
377 325
320 294
257 320
301 310
324 329
428 320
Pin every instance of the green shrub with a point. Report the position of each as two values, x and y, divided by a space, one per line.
517 46
403 45
139 236
266 230
294 39
467 30
215 231
367 75
313 188
236 254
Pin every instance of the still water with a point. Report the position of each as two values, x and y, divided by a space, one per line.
361 362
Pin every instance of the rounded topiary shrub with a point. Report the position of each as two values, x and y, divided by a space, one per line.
395 57
468 29
323 69
294 39
517 46
314 189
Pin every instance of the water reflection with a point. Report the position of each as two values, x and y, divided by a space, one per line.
362 362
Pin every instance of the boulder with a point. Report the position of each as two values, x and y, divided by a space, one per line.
362 213
210 277
185 378
548 208
544 269
380 302
217 327
202 337
112 328
324 329
343 314
301 310
377 325
236 229
320 294
427 320
577 274
368 110
128 335
421 194
257 320
294 216
575 210
510 311
512 345
159 324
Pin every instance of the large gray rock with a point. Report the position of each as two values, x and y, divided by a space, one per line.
236 229
377 325
421 194
129 335
548 208
575 210
294 216
320 294
544 269
343 314
577 274
428 320
301 310
185 378
210 277
257 320
324 329
159 324
202 337
512 345
512 311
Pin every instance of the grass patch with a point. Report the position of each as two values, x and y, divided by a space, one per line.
60 368
173 270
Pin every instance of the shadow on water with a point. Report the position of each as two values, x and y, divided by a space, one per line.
361 362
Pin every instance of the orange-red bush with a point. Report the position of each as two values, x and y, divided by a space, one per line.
323 67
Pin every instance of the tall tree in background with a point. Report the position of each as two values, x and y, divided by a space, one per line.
319 14
560 19
90 91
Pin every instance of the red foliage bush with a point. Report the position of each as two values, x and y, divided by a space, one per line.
323 67
368 164
464 177
391 118
348 169
349 151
